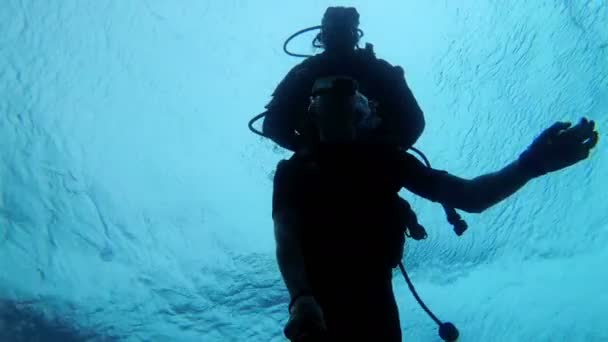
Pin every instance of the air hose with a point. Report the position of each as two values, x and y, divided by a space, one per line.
315 42
447 331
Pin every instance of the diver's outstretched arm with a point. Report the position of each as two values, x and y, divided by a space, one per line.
478 194
558 147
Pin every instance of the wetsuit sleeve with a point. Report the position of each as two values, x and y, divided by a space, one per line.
419 179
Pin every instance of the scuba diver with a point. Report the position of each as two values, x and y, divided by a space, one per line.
286 121
339 222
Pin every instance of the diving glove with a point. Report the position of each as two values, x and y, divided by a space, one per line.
306 323
559 147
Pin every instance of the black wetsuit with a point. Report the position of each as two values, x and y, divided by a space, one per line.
353 223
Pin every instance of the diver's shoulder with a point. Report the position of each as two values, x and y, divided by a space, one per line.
386 66
381 65
283 170
296 158
312 60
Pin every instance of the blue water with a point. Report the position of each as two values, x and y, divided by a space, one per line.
135 204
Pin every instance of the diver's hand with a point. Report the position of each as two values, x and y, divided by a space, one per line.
306 323
560 146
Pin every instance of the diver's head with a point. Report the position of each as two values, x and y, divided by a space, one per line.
339 29
340 113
